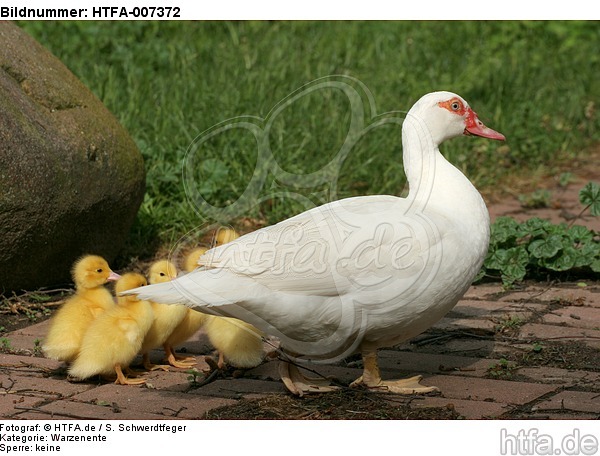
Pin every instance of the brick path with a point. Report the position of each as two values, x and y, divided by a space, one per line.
456 355
460 355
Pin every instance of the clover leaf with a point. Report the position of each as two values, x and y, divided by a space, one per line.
589 196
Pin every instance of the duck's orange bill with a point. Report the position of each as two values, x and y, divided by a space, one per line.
477 128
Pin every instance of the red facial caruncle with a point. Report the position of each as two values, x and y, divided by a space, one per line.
473 126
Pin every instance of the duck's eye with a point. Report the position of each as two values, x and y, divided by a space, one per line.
99 270
162 274
455 106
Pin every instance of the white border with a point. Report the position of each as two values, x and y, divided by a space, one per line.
340 10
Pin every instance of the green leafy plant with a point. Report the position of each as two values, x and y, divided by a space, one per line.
538 246
31 315
589 196
39 297
5 345
536 199
509 323
193 376
537 347
37 347
565 179
503 370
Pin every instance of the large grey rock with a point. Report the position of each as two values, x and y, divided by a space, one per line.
71 178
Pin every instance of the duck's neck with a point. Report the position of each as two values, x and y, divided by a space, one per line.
434 183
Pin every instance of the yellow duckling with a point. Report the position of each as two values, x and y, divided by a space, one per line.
91 298
225 235
191 260
115 337
191 322
239 344
166 319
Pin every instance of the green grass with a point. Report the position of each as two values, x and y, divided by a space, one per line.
167 82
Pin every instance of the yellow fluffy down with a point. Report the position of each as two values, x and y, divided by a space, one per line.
191 323
191 260
70 322
225 235
114 338
239 342
166 319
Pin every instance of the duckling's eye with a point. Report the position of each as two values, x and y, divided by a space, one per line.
99 270
455 106
162 274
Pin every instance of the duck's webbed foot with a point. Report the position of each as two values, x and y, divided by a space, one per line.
371 379
299 384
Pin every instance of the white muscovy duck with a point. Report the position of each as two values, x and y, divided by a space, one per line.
360 273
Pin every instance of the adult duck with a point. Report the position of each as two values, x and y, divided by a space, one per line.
360 273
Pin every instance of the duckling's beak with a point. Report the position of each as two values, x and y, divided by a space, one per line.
474 126
113 276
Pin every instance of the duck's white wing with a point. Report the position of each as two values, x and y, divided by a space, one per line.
372 250
329 249
319 280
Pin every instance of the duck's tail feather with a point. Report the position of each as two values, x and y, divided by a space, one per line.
199 290
165 293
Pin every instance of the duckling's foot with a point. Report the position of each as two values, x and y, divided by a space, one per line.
181 364
174 360
299 384
152 367
122 380
371 379
221 362
185 359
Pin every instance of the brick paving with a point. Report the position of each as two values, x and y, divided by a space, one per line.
459 355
